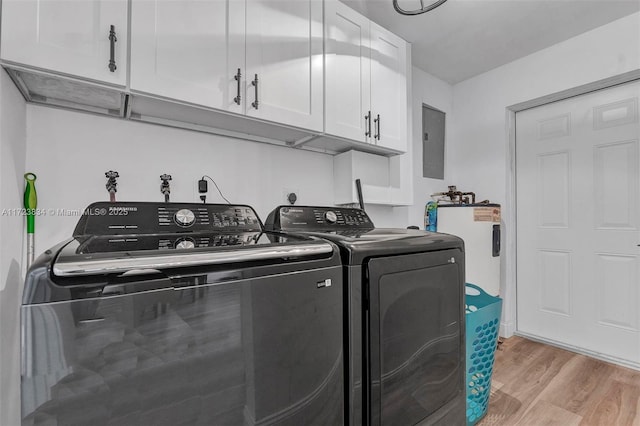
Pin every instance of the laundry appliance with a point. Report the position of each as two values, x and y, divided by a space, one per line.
404 316
182 314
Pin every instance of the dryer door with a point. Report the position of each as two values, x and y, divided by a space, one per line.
415 328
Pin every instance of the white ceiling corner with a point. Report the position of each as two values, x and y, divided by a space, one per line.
464 38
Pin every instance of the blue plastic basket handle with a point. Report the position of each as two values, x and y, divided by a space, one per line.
480 300
475 287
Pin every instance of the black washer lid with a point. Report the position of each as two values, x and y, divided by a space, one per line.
356 248
72 261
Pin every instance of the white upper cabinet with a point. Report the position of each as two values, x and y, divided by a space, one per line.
189 50
366 80
348 75
388 88
311 66
284 81
68 36
194 50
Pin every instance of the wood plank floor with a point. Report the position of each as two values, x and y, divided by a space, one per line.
539 385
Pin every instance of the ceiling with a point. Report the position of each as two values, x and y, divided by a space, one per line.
464 38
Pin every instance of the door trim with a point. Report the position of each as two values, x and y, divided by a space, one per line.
509 327
582 351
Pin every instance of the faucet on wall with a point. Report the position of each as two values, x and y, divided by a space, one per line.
165 188
112 184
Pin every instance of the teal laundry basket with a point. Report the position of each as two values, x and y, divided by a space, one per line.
482 321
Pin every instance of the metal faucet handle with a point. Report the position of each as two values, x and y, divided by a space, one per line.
165 187
112 183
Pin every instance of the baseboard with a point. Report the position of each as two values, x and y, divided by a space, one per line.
581 351
507 329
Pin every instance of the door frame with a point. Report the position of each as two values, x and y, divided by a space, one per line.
510 277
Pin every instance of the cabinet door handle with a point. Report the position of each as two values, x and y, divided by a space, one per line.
112 48
367 124
237 78
254 83
377 121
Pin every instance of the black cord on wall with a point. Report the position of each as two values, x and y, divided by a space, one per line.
216 185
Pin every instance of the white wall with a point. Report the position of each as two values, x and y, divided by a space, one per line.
478 148
12 162
71 151
435 93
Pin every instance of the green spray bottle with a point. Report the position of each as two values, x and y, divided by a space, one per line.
30 205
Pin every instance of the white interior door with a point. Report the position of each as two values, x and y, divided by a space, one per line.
189 50
388 88
67 36
578 212
285 52
347 72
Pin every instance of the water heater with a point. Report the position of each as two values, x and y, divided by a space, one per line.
479 226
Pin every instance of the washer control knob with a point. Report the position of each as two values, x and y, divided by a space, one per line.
184 243
330 217
185 217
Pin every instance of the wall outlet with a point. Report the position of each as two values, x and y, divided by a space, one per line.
285 195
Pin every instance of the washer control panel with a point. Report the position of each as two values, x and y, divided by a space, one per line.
184 217
182 241
306 218
129 218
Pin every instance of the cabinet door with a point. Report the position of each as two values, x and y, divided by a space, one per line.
67 36
189 50
348 72
389 88
285 52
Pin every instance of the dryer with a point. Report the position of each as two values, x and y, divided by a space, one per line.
404 316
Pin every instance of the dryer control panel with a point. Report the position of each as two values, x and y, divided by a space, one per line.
131 218
312 219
